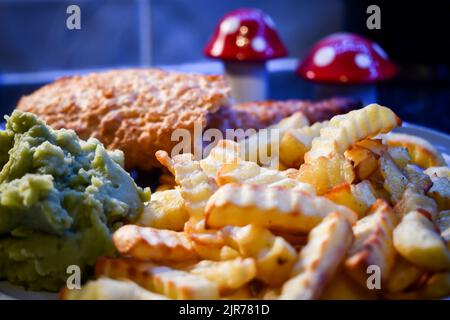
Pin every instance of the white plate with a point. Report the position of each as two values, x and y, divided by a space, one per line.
438 139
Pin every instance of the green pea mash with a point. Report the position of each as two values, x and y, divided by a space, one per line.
60 200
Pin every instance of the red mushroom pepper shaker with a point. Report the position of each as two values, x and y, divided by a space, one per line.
245 39
346 58
347 64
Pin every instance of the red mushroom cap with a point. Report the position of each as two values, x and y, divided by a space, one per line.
346 58
245 35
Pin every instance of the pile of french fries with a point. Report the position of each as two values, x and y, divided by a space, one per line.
351 211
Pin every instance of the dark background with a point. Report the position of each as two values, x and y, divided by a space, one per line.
36 46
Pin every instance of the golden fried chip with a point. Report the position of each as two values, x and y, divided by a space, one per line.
110 289
395 181
250 173
421 151
274 256
166 210
437 286
414 199
243 293
418 241
363 160
149 243
342 287
319 259
196 186
228 275
225 152
345 130
357 197
263 147
226 166
375 146
438 172
326 173
272 207
403 275
417 177
400 155
440 192
175 284
296 142
373 243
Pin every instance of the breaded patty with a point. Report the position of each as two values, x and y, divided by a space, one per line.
132 110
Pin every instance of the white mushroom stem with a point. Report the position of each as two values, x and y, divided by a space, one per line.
248 80
366 93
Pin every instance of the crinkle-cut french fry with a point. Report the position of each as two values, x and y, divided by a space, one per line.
166 210
325 173
443 222
271 293
400 155
358 197
225 152
297 240
403 275
363 160
274 256
440 192
395 181
345 130
155 244
110 289
438 172
296 142
373 243
243 293
215 253
418 241
376 146
421 151
417 177
263 147
175 284
196 186
228 275
226 166
250 173
271 207
436 286
342 287
319 259
414 199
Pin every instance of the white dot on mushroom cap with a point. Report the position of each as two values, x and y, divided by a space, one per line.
229 25
217 48
324 56
380 51
259 44
269 21
362 60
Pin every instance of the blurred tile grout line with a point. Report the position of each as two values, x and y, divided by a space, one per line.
145 32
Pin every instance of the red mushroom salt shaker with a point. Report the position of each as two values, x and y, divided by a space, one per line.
347 64
245 39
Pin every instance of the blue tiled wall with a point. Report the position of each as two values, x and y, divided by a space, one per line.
34 37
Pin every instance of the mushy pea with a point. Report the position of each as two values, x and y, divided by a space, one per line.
60 199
